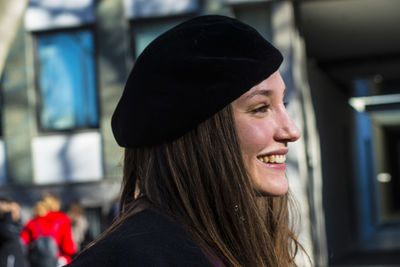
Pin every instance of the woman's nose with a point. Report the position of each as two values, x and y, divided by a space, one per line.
287 130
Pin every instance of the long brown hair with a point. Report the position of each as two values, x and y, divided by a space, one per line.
200 181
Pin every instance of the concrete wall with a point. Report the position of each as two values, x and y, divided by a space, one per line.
17 119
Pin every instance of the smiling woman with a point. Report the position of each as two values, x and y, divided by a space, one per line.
264 129
205 133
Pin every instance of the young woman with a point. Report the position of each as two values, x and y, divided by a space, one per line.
48 221
205 132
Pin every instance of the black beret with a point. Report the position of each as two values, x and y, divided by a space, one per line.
188 74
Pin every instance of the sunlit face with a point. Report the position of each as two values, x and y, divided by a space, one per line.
265 129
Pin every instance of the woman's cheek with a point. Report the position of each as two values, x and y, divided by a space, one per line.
253 136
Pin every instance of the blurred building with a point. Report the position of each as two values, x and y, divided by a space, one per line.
68 63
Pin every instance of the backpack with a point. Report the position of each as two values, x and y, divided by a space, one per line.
43 251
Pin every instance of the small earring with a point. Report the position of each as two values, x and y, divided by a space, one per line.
241 218
236 208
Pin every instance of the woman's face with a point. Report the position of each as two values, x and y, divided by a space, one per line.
265 129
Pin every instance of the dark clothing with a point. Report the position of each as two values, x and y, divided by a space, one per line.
146 239
11 251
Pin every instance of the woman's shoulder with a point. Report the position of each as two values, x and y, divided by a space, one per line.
147 238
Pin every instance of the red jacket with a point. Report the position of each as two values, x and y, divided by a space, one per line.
47 224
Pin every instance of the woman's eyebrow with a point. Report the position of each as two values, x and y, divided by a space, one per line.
259 92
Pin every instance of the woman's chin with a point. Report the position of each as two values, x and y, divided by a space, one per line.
278 186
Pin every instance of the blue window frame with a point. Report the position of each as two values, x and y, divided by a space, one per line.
67 81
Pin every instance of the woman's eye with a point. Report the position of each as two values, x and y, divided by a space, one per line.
261 109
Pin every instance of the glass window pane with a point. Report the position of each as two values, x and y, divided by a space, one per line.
67 82
145 33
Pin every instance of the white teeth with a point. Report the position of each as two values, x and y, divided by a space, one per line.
280 159
272 159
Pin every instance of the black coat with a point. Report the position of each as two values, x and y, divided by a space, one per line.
145 239
11 250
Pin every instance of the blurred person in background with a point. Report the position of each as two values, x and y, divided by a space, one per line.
11 250
54 225
112 213
206 132
79 223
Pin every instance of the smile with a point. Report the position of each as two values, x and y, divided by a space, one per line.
272 159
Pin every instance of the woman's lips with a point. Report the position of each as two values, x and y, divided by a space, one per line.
276 166
274 161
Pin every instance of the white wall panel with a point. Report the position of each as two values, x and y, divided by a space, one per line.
149 8
50 14
244 1
67 158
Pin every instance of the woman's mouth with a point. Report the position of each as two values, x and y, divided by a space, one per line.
278 158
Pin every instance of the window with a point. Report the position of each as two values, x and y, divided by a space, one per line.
257 15
143 32
66 81
377 137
